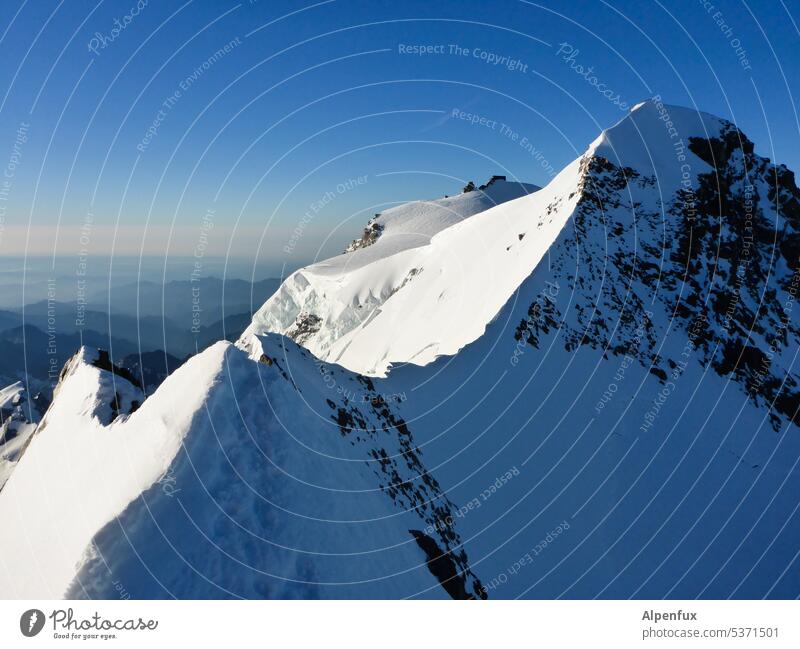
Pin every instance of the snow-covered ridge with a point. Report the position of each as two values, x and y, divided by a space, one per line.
99 444
413 224
312 475
389 303
274 474
393 302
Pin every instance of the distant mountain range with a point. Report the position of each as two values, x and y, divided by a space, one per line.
31 336
175 299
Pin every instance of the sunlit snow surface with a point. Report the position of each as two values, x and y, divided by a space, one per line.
550 393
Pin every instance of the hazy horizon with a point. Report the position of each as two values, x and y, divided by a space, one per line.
192 127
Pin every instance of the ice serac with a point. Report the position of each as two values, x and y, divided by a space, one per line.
392 302
346 309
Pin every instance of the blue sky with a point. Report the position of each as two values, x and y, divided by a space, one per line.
323 105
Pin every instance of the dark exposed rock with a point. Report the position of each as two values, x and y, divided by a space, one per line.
103 362
305 326
490 182
370 235
443 567
374 424
403 477
712 256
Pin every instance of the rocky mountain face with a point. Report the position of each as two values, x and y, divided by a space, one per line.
588 391
715 257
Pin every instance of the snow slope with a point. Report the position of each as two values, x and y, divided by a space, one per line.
643 384
642 381
623 423
389 304
413 224
224 483
358 296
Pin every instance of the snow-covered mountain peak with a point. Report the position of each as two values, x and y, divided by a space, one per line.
106 390
620 366
100 445
391 302
650 172
424 280
295 487
92 386
655 136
